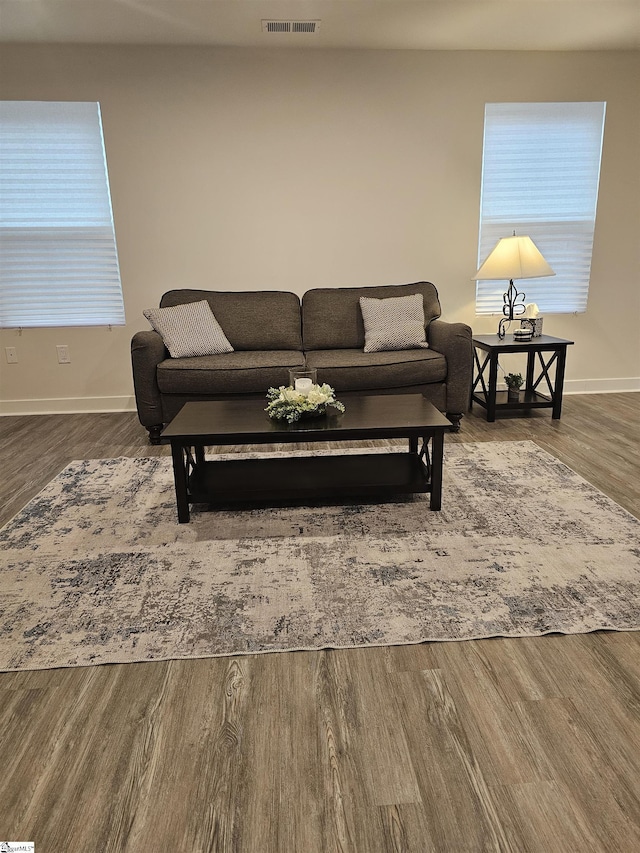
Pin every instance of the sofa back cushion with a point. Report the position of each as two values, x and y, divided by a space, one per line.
251 320
332 319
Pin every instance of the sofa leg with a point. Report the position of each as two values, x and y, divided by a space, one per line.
154 433
455 418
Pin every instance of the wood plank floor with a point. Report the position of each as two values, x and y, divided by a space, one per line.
492 745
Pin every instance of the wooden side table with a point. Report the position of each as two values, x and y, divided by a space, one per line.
484 391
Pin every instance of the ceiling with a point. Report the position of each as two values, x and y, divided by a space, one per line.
377 24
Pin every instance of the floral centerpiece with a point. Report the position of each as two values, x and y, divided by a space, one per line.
288 404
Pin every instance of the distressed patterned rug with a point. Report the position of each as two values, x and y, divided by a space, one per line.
96 568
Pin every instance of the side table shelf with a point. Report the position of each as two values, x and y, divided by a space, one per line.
543 353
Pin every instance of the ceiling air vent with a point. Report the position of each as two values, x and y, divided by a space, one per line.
290 26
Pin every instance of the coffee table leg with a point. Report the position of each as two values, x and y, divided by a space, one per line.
437 452
180 480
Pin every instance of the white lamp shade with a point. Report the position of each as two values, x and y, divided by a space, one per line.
514 257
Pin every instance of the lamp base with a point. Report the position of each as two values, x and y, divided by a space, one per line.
513 306
503 327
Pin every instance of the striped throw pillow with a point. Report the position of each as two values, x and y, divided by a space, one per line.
189 329
394 323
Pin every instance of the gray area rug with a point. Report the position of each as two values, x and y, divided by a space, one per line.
96 568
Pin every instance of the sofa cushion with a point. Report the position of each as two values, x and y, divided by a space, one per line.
332 319
394 323
236 372
356 370
252 320
189 329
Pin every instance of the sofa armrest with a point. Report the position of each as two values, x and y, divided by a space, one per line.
454 341
147 351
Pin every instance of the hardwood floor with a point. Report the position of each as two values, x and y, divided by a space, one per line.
491 745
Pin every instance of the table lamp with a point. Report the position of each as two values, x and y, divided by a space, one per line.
513 257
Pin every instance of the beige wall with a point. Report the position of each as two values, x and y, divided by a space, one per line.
246 169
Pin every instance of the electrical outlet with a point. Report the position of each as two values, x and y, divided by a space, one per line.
64 356
11 354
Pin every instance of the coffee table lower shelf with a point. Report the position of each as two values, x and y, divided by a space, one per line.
228 482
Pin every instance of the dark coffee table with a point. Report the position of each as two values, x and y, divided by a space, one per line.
300 478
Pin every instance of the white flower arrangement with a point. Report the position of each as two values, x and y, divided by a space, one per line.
285 403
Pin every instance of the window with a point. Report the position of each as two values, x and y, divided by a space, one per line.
540 174
59 262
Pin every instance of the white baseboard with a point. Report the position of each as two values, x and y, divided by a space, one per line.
591 386
68 406
89 405
601 386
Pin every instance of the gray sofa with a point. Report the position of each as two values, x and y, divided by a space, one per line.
271 332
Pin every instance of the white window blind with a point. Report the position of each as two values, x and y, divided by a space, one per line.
58 255
540 175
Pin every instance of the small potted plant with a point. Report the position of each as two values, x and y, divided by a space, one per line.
514 383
